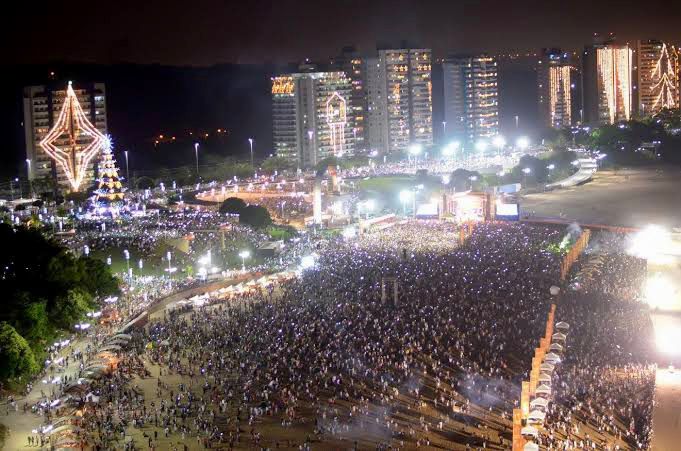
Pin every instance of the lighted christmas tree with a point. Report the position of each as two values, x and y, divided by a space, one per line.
109 186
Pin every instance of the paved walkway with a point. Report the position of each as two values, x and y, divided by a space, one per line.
667 411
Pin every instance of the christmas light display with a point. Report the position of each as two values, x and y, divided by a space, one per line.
614 76
109 186
336 117
665 79
73 141
559 96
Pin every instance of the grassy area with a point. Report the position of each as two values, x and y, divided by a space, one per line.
388 184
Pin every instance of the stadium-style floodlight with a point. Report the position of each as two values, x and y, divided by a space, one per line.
499 142
481 146
415 149
244 255
450 149
522 143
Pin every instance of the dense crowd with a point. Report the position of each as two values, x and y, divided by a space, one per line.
327 346
326 360
604 386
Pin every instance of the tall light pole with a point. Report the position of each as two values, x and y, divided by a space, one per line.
444 130
30 179
250 142
196 154
127 168
244 255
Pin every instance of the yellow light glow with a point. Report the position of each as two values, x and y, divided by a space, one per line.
667 333
660 292
653 243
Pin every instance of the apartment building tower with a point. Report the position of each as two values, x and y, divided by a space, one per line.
399 99
471 97
312 116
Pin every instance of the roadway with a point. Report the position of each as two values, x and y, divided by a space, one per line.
633 198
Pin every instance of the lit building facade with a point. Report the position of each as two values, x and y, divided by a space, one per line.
354 66
555 83
399 100
657 75
471 98
312 117
608 82
42 108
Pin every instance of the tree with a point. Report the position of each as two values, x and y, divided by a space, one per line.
16 357
70 308
97 278
255 216
232 206
278 164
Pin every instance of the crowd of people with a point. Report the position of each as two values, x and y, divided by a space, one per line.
399 339
441 362
604 387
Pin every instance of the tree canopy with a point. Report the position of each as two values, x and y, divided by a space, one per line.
45 289
232 206
255 216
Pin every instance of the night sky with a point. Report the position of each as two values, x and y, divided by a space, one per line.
255 31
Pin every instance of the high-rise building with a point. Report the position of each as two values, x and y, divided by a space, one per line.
312 116
608 89
657 75
555 83
400 99
42 108
471 97
353 64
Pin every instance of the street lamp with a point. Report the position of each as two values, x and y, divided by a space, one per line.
522 143
450 149
250 142
86 250
244 255
196 154
127 168
406 196
551 167
126 254
28 174
472 178
527 171
414 150
499 142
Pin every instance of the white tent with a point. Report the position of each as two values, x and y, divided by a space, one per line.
539 402
536 416
543 389
556 347
531 446
558 337
529 431
545 379
552 358
562 325
546 368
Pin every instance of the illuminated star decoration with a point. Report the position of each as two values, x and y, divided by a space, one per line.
73 126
